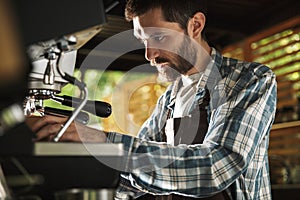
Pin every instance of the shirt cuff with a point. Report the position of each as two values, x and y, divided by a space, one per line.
126 140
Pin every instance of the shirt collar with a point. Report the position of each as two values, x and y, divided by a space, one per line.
211 73
210 76
191 79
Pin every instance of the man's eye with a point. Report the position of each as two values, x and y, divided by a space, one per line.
158 38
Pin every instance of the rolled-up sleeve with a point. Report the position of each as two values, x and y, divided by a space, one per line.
234 148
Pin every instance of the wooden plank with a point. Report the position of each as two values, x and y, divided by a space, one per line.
281 47
294 31
291 102
284 133
277 58
286 125
275 29
281 76
284 93
285 139
285 151
283 84
247 53
278 143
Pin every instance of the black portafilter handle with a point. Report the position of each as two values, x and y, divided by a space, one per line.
98 108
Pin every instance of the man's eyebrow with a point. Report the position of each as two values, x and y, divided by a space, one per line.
158 33
139 36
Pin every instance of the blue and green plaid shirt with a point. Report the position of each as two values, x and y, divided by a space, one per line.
234 154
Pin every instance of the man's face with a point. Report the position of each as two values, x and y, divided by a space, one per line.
167 46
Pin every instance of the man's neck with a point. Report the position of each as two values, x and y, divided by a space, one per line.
202 62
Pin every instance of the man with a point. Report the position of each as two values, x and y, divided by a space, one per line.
209 134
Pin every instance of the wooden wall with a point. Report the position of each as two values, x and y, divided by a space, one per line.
279 48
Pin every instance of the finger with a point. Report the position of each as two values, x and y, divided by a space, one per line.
48 131
88 134
71 134
47 120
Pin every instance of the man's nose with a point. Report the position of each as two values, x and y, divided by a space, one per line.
151 53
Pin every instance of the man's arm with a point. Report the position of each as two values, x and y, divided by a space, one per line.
238 131
47 127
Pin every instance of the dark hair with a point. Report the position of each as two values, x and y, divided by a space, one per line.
179 11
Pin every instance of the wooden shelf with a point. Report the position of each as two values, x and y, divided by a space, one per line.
285 186
284 139
285 125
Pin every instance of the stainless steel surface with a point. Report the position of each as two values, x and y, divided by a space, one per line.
40 62
77 149
85 194
51 60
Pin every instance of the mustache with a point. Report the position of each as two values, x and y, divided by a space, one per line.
160 60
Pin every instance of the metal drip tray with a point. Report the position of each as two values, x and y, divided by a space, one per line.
85 194
77 149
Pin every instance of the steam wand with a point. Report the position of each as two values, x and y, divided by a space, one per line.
84 93
73 116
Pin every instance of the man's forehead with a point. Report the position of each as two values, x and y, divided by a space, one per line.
144 32
150 18
141 31
153 22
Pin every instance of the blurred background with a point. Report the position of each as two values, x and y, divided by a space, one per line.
266 31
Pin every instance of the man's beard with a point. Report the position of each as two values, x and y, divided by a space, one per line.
167 73
177 63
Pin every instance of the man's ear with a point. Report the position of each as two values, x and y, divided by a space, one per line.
196 25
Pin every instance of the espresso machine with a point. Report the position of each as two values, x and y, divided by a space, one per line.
53 64
52 33
51 61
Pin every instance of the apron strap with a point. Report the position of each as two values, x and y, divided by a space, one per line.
189 130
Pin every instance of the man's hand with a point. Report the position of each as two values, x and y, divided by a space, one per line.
47 127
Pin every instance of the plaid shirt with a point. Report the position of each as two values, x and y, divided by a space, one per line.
234 154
